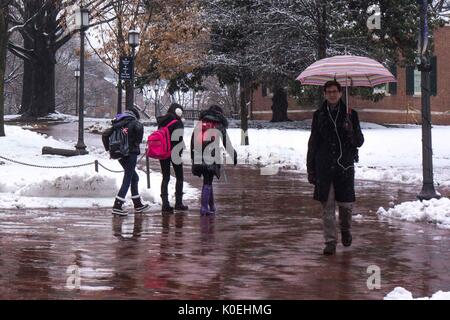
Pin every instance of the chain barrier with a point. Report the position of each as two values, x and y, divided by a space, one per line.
96 163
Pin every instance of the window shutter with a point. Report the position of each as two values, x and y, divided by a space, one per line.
393 85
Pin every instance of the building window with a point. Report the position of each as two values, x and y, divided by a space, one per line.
264 90
417 83
382 88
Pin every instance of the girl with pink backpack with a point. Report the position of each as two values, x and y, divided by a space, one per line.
161 146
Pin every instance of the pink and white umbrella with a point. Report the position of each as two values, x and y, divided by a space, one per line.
349 71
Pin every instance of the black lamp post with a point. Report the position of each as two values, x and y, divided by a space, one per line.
428 192
156 98
81 23
133 41
77 79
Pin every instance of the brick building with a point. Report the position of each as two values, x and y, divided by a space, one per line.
402 103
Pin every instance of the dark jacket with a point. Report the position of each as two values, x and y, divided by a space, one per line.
221 124
179 125
325 163
135 131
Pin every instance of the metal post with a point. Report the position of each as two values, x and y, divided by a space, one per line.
428 192
76 96
119 96
81 147
133 53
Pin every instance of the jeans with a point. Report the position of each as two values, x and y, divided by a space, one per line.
165 170
329 217
130 177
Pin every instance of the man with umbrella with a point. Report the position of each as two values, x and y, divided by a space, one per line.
332 151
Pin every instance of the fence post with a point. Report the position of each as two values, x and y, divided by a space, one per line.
147 162
96 166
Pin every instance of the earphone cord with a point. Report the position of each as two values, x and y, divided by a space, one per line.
339 139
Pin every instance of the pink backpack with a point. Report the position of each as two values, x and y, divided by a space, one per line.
159 143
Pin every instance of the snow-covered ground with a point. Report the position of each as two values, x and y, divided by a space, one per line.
400 293
29 187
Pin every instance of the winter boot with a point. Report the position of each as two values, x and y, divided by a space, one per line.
139 207
179 203
166 208
206 195
346 238
330 249
117 208
345 219
212 205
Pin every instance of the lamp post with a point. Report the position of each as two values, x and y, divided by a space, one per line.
77 79
428 192
156 97
133 41
119 96
82 24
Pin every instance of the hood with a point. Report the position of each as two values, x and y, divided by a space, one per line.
214 116
123 119
166 119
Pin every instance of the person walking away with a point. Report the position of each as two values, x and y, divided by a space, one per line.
175 112
123 141
332 151
205 139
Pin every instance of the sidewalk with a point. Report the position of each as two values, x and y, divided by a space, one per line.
265 243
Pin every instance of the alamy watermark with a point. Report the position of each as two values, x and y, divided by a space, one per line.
73 281
374 20
374 280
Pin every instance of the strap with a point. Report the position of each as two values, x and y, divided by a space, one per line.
171 123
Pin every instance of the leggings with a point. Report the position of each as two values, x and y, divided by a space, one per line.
165 169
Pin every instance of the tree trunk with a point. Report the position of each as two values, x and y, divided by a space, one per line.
244 97
280 106
43 82
27 82
321 44
3 49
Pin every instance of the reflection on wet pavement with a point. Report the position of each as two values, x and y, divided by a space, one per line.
265 243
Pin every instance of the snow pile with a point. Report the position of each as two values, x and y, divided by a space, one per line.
30 187
432 211
400 293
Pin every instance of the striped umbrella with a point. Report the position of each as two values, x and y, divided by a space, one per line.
349 71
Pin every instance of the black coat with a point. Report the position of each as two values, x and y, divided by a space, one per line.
221 124
325 163
179 125
135 132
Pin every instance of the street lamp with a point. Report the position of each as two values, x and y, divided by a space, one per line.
428 192
77 78
133 41
82 24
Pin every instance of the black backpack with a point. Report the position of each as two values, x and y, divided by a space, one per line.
118 143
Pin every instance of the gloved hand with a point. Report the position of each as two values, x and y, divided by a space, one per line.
311 178
235 158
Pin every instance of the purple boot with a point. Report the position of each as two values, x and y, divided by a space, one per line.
206 195
212 206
